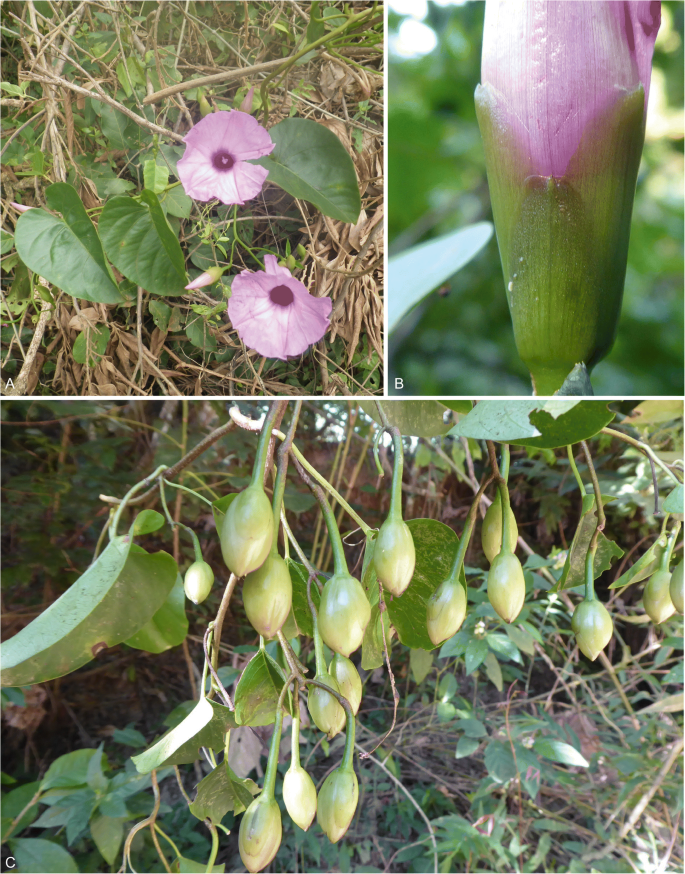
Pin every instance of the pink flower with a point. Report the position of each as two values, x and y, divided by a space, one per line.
274 313
209 277
20 207
218 147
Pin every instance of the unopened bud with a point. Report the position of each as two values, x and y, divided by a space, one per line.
209 277
246 105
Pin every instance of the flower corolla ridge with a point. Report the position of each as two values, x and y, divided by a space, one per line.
218 148
274 313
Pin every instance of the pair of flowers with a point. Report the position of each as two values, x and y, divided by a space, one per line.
272 311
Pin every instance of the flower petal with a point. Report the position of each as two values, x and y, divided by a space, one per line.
271 267
272 330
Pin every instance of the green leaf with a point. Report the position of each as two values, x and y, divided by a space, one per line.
413 418
161 313
675 502
67 252
316 27
72 809
129 736
436 545
521 638
373 653
6 241
155 177
472 728
108 833
542 424
476 653
494 671
256 695
190 866
311 163
168 627
68 770
140 243
205 726
421 663
573 573
14 802
466 747
499 761
115 597
38 856
98 338
558 751
176 202
648 563
116 126
416 272
220 792
147 521
301 611
197 331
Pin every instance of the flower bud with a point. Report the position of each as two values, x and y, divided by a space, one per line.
246 105
247 531
676 587
260 833
656 597
445 611
299 795
491 532
326 712
561 110
337 803
592 625
205 107
20 207
347 677
198 581
268 596
394 555
506 586
209 277
344 613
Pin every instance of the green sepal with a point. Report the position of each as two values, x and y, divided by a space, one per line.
564 241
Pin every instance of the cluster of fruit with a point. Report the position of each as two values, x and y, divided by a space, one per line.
249 545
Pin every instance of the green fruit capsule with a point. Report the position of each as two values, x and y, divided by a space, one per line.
445 611
268 596
506 586
592 626
326 713
347 677
299 795
676 587
260 833
247 531
394 555
198 581
656 597
344 613
337 803
491 532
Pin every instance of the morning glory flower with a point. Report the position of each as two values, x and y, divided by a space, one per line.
214 164
274 313
561 107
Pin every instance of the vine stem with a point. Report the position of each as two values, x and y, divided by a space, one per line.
339 560
645 449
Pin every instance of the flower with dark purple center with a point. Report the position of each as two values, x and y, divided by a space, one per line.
217 151
274 313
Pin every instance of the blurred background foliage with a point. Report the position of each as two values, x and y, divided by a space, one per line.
461 342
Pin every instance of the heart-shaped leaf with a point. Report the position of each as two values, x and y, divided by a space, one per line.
168 627
140 243
115 597
67 251
311 163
